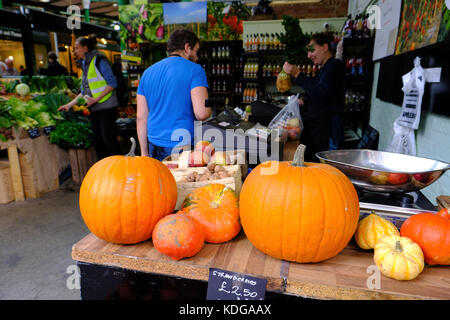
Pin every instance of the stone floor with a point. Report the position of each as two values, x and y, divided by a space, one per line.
36 238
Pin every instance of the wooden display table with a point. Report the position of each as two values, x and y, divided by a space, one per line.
342 277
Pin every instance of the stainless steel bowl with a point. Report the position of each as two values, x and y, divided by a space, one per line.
385 171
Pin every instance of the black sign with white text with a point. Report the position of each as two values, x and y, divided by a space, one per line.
227 285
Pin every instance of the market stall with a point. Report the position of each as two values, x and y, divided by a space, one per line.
110 271
40 144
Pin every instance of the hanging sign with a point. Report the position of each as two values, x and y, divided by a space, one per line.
227 285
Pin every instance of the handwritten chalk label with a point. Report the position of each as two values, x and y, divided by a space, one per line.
227 285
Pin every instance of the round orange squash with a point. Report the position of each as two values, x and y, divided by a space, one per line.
216 208
123 197
178 236
432 233
302 212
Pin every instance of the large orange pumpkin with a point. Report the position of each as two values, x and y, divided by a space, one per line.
178 236
123 197
302 212
432 233
216 208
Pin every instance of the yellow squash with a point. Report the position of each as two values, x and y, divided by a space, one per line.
398 257
371 229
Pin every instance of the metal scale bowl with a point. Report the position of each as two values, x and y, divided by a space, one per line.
384 175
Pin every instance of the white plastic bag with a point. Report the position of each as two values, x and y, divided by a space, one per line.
288 120
404 140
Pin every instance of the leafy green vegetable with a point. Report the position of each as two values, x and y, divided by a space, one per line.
72 134
81 101
295 41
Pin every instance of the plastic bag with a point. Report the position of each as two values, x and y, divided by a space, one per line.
288 120
404 140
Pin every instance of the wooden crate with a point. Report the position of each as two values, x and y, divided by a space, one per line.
184 187
80 162
6 187
237 157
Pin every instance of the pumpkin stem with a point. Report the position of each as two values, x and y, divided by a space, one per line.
299 156
398 246
133 147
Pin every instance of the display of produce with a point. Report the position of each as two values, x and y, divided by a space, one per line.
216 208
217 204
371 229
398 257
178 236
432 233
299 211
123 197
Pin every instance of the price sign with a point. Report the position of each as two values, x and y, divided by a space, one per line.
227 285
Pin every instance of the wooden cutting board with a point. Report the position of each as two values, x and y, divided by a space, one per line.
345 276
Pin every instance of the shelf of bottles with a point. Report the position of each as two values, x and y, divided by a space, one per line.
358 41
134 72
255 43
223 64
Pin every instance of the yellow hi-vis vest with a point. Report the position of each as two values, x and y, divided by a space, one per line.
96 81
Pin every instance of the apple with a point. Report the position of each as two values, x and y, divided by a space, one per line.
221 158
198 158
422 177
206 147
397 178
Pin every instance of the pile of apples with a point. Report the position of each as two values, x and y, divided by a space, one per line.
205 153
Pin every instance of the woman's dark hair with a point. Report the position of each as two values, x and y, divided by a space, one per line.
90 42
52 55
179 38
323 38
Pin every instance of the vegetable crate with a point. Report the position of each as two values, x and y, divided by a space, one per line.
80 162
236 157
184 187
6 187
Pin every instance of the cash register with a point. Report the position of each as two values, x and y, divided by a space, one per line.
228 131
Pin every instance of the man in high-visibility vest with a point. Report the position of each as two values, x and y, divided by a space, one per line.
98 84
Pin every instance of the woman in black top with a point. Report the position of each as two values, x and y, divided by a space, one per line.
324 97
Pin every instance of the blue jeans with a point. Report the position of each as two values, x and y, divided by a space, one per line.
158 152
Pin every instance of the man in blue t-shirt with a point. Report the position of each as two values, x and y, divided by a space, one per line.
170 96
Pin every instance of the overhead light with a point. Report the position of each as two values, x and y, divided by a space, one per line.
116 27
44 0
115 4
11 57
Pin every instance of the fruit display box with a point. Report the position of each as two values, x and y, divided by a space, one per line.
235 157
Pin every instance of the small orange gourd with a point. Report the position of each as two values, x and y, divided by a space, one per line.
178 236
216 208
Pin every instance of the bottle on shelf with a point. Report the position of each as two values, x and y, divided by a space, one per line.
309 70
213 52
314 70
